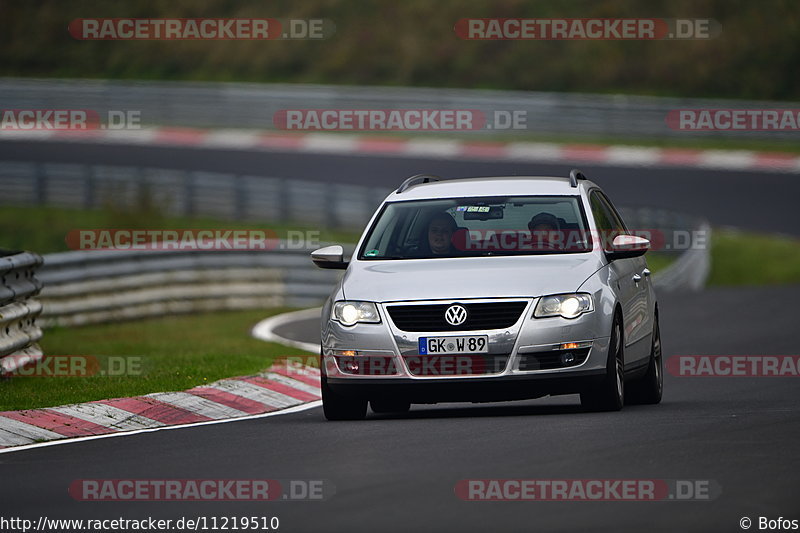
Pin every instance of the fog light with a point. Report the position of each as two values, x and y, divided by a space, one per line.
567 358
350 366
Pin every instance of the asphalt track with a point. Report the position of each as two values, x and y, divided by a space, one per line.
398 473
761 201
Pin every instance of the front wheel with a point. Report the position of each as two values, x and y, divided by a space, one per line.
609 394
649 389
338 407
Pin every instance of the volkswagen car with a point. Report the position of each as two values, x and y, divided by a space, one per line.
490 289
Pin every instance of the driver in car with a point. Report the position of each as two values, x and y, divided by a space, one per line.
440 234
545 231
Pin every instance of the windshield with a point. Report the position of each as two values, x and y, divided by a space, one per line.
478 226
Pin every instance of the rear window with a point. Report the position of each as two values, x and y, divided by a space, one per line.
478 226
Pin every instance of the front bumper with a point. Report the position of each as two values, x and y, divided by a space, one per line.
510 346
482 389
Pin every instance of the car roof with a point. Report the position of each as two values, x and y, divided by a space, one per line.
492 186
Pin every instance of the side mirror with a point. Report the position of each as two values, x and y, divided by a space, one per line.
626 246
329 257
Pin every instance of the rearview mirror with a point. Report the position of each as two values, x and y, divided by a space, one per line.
626 246
329 257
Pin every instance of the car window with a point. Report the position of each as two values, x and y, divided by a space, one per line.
602 218
616 219
609 223
461 227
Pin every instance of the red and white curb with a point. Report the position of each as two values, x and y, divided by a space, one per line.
350 144
284 387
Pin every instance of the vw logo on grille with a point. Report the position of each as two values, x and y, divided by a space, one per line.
455 315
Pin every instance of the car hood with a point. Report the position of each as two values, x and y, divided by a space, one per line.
473 277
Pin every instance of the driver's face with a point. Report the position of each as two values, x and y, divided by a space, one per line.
543 228
439 235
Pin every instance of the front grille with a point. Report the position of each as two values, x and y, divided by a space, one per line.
455 365
551 360
430 317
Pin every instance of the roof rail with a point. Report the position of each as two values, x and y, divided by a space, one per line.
574 176
416 180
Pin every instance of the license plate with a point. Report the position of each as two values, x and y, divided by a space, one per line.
452 345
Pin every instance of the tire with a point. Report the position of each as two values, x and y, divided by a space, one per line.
609 394
389 406
649 389
338 407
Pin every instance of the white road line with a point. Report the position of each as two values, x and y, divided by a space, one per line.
534 151
24 431
28 135
265 330
320 142
142 136
256 393
197 404
241 139
432 147
107 415
633 155
727 159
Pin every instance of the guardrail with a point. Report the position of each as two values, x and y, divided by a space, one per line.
19 331
686 237
86 287
190 193
251 105
690 270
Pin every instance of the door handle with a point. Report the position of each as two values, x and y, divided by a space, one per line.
646 271
637 278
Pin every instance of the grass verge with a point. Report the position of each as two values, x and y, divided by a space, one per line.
739 258
44 229
177 353
659 261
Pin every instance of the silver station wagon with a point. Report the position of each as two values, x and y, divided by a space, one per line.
490 289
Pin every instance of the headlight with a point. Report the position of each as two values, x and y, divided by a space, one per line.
565 305
349 313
